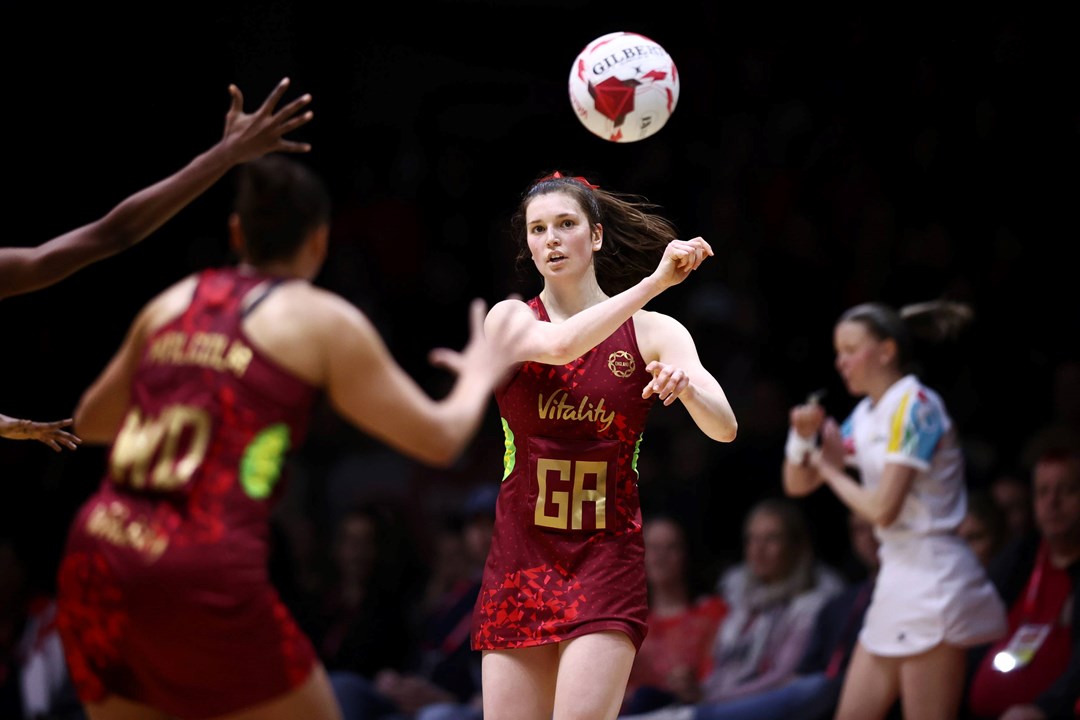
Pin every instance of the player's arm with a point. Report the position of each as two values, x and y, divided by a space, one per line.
801 477
678 374
880 505
367 386
561 342
103 405
246 137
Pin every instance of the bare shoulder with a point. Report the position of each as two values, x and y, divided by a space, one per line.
656 330
319 308
650 321
506 309
168 303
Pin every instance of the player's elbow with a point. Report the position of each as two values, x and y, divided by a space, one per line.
886 516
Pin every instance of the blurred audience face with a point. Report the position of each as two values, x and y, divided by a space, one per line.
665 552
477 534
1057 498
357 546
452 561
766 545
863 541
977 535
1013 496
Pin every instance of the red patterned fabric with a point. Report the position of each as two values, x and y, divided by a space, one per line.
164 594
567 556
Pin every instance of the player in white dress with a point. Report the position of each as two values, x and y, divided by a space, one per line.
932 599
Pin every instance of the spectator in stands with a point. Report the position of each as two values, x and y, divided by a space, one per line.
1034 672
675 656
773 597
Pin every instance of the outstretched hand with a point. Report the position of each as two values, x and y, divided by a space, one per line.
493 355
681 257
50 433
253 135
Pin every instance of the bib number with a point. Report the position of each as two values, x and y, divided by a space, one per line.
574 489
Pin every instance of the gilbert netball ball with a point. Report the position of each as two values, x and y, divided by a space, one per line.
624 87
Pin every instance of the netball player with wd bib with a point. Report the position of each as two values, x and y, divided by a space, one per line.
563 605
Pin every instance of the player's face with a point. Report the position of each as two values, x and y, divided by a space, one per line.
857 356
561 240
1057 498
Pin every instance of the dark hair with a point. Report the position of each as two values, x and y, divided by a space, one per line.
933 320
634 234
981 505
279 201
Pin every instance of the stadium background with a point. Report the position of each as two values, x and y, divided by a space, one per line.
829 156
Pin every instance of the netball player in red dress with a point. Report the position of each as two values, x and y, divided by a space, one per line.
563 605
165 606
25 269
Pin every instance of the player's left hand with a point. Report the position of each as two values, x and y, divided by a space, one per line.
668 382
50 433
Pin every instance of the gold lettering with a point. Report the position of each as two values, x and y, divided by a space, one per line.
170 472
238 359
597 496
555 407
157 441
112 523
203 349
558 497
134 447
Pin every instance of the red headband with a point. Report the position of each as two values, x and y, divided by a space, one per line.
558 175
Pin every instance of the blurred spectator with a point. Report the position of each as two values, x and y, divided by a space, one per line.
34 680
1034 672
441 678
1012 493
682 622
773 597
813 693
983 526
363 622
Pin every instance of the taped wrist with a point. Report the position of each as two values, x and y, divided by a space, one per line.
797 448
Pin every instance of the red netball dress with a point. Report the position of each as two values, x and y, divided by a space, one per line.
164 594
567 555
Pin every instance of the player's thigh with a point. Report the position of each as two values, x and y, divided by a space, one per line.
871 686
593 670
932 684
312 700
118 708
519 684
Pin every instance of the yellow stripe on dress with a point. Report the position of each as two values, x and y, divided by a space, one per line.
896 433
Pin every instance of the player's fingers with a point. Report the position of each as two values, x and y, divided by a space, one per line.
274 96
237 104
293 123
293 107
293 146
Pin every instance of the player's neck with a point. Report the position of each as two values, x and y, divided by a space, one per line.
563 301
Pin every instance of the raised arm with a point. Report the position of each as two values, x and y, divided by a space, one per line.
246 137
371 390
880 505
559 343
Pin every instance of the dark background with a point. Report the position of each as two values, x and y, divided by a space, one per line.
830 157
